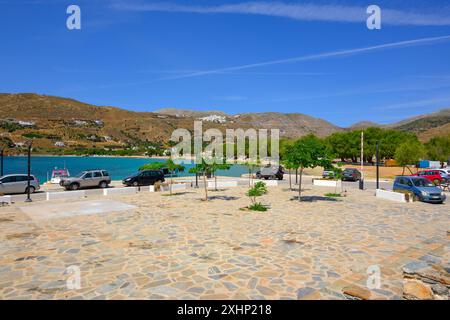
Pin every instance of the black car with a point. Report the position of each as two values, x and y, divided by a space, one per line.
270 172
351 175
144 178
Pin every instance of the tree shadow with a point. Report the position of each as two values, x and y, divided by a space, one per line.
176 194
314 199
226 198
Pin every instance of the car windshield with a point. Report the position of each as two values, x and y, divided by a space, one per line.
80 175
422 183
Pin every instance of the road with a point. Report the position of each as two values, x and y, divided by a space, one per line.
307 181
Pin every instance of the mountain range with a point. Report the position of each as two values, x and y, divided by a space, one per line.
51 119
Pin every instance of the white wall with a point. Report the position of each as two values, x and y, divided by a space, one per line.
327 183
269 183
119 191
175 187
5 199
223 184
65 195
390 195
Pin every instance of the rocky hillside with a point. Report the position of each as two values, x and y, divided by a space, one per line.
56 123
425 126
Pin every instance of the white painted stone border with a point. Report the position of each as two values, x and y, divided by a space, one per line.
327 183
223 184
119 191
175 187
65 195
6 199
390 195
269 183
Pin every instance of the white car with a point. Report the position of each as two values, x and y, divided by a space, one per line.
445 173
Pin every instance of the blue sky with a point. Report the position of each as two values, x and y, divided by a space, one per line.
315 57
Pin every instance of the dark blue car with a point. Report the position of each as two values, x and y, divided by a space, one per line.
423 189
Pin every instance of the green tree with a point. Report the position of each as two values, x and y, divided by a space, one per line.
258 190
438 148
172 166
169 164
153 166
308 152
409 153
201 169
251 166
215 165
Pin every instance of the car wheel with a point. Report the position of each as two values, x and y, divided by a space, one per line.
135 184
32 190
74 186
103 185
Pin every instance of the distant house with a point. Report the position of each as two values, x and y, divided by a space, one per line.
19 144
26 123
80 122
60 144
98 122
214 118
107 138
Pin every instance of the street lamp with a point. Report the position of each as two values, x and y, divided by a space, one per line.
30 143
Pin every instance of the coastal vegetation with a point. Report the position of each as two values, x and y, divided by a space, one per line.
259 189
308 152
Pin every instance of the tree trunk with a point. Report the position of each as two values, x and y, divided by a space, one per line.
290 180
296 176
403 172
205 185
215 183
300 185
249 178
171 182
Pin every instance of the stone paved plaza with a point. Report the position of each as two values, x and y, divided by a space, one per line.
180 247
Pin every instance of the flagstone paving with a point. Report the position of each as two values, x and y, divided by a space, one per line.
180 247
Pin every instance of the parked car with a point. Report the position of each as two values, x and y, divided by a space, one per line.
351 174
87 179
270 172
18 183
422 188
328 174
431 175
445 173
144 178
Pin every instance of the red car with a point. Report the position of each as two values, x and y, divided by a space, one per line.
432 175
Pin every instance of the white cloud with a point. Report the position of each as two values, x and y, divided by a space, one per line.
298 11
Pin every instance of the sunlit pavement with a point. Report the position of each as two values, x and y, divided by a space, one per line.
180 247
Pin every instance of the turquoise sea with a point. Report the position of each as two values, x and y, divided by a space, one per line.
118 168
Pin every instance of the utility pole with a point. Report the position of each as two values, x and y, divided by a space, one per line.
378 165
361 180
29 173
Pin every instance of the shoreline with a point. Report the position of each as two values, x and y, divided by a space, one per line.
77 156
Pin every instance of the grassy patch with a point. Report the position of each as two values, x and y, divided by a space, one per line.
257 207
333 195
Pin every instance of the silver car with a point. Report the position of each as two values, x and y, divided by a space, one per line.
87 179
18 183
